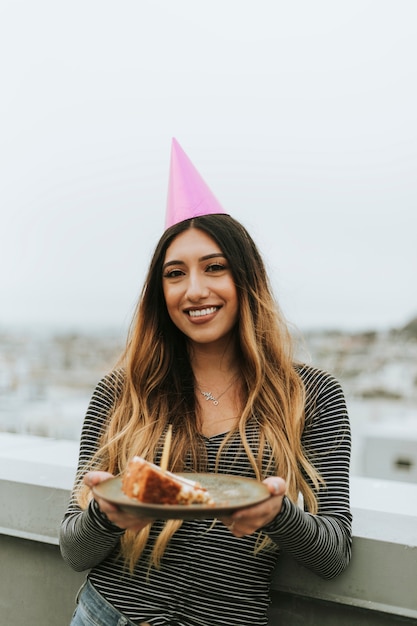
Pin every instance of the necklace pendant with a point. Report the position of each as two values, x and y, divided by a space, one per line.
209 396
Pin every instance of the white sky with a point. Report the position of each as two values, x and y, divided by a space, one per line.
301 117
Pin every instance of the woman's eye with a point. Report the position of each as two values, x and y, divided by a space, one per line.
215 267
173 273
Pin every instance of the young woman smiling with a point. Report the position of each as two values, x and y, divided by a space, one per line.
209 353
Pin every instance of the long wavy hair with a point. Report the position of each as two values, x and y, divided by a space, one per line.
158 383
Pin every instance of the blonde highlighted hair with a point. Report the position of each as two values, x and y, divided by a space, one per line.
158 383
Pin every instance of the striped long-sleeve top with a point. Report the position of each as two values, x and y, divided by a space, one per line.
208 577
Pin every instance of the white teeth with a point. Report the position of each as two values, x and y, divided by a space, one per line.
202 312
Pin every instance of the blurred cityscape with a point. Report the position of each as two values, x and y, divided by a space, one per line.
47 378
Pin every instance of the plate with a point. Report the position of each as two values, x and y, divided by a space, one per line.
230 493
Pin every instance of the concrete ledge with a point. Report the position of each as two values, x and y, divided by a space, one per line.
32 511
36 587
38 460
36 475
381 576
35 480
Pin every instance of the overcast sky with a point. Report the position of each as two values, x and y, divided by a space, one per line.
301 117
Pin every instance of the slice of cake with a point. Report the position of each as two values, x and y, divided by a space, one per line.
146 482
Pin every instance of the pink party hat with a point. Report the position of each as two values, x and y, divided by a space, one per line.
188 194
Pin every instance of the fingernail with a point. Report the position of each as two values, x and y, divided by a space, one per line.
276 486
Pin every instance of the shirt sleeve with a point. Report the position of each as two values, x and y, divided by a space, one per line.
86 536
321 542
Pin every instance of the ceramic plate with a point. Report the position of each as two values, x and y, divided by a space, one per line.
229 493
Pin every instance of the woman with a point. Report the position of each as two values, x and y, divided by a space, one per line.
209 353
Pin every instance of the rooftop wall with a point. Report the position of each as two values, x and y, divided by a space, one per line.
38 588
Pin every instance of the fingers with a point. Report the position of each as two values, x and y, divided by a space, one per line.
248 521
229 522
124 521
121 518
276 485
107 508
94 478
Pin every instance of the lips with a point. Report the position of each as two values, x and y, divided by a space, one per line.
202 312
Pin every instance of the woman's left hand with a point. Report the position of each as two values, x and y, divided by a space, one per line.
125 521
247 521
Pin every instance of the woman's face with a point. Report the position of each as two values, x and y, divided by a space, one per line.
198 286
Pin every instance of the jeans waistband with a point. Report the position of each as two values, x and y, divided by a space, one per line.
99 611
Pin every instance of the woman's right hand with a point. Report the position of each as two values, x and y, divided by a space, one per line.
125 521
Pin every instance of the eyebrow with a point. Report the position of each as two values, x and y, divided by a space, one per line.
206 257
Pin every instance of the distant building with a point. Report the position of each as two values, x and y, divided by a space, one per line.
389 451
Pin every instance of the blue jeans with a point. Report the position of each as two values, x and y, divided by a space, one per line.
94 610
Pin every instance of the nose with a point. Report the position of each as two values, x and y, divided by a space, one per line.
197 288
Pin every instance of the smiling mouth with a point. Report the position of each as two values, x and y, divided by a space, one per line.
202 312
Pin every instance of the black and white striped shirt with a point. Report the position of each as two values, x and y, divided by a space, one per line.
209 577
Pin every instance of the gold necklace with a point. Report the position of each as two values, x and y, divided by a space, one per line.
209 396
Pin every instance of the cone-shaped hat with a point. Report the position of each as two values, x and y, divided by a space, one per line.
188 194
